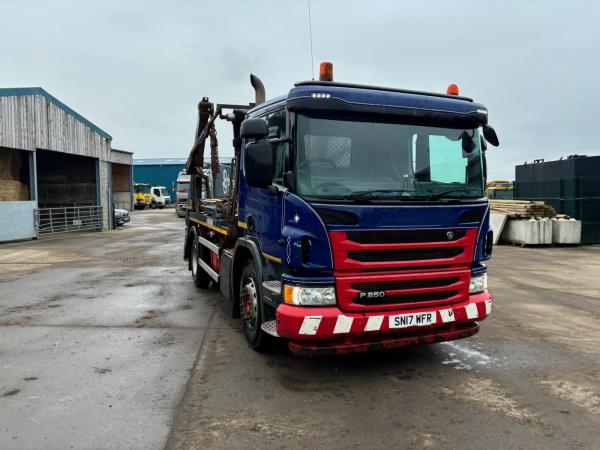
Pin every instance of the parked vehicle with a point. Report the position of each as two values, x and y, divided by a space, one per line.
182 187
121 216
160 197
357 219
141 195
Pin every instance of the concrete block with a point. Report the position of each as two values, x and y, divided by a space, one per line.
566 231
497 222
528 231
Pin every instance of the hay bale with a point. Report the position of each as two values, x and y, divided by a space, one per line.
13 190
10 164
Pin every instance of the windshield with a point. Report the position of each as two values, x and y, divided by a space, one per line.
141 188
348 159
183 187
163 192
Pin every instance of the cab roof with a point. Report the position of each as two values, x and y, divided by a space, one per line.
374 96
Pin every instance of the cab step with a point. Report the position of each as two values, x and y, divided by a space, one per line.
272 291
270 328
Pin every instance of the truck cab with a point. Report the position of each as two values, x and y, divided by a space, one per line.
182 187
360 219
160 197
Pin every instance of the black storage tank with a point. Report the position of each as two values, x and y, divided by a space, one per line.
570 185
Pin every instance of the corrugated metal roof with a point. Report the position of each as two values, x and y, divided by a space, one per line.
171 161
11 92
121 151
159 161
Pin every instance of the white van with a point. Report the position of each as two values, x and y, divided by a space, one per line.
160 197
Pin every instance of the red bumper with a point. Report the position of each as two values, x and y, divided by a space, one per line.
331 330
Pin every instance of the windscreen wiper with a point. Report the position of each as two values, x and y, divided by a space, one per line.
445 193
357 195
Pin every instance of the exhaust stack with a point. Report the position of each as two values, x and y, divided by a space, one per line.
259 89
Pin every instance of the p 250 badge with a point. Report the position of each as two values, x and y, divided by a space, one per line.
371 294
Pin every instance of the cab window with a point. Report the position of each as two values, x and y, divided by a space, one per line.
277 122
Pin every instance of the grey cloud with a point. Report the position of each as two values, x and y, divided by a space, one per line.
138 68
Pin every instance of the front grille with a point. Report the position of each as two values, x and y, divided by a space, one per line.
406 236
373 250
405 284
407 298
410 254
382 291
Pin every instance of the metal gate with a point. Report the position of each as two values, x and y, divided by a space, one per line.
68 219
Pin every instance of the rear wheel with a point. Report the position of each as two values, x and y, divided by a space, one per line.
251 308
199 275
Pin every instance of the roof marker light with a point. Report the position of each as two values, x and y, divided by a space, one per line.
452 90
326 71
320 95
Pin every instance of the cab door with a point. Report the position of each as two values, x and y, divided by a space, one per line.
265 204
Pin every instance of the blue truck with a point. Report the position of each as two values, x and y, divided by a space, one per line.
356 217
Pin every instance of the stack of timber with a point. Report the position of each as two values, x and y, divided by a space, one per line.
523 209
528 222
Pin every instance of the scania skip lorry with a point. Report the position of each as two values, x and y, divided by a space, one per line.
356 219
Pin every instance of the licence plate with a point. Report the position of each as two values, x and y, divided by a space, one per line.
413 320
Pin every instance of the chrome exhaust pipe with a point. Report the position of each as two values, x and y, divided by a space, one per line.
259 89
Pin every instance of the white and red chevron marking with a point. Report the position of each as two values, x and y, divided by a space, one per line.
330 322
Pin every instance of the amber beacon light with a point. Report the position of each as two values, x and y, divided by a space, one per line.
452 89
326 71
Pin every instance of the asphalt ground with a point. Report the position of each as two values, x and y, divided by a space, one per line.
105 343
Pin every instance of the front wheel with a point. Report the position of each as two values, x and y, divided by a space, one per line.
251 308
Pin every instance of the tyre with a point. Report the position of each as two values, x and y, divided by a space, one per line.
153 205
199 275
251 308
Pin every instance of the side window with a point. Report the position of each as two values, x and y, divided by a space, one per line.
446 160
157 192
277 123
439 159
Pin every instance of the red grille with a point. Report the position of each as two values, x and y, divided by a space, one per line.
361 292
367 250
397 269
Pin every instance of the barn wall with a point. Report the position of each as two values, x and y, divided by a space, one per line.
29 122
17 220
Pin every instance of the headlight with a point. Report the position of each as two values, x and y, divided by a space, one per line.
309 296
478 283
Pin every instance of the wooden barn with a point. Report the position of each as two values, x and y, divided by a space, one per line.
58 172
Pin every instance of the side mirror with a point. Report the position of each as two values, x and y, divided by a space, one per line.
490 135
258 163
483 144
255 128
467 143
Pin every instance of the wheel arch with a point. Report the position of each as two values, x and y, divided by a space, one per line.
191 230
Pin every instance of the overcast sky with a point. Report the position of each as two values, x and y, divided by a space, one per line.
138 68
